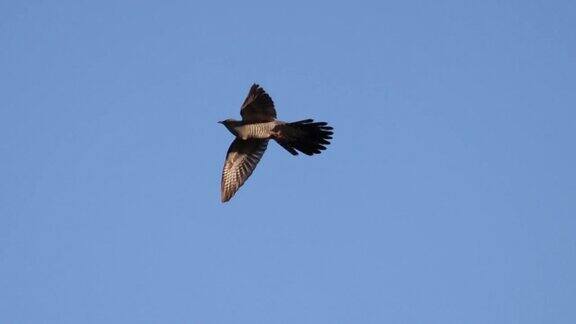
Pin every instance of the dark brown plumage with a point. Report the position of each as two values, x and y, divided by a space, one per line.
257 127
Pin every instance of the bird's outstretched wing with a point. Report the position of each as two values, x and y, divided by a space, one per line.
258 107
241 160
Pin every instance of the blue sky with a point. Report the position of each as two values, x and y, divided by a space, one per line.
447 196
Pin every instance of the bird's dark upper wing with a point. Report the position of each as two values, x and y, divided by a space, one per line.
241 160
258 107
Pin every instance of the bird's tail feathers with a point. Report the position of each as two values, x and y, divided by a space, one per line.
306 136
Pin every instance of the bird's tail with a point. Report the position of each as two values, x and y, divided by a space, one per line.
305 136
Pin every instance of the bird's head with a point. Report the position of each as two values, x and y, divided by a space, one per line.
226 122
230 124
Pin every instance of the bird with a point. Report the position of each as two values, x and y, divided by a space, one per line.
257 127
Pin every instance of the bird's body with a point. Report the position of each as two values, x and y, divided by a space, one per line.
255 130
257 127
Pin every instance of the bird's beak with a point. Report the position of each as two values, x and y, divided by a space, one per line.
220 122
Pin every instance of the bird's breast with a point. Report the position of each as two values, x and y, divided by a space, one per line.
259 130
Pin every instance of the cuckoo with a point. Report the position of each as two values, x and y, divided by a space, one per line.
257 127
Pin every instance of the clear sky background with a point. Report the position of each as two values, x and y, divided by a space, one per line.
447 196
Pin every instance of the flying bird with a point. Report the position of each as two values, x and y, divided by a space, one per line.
257 127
